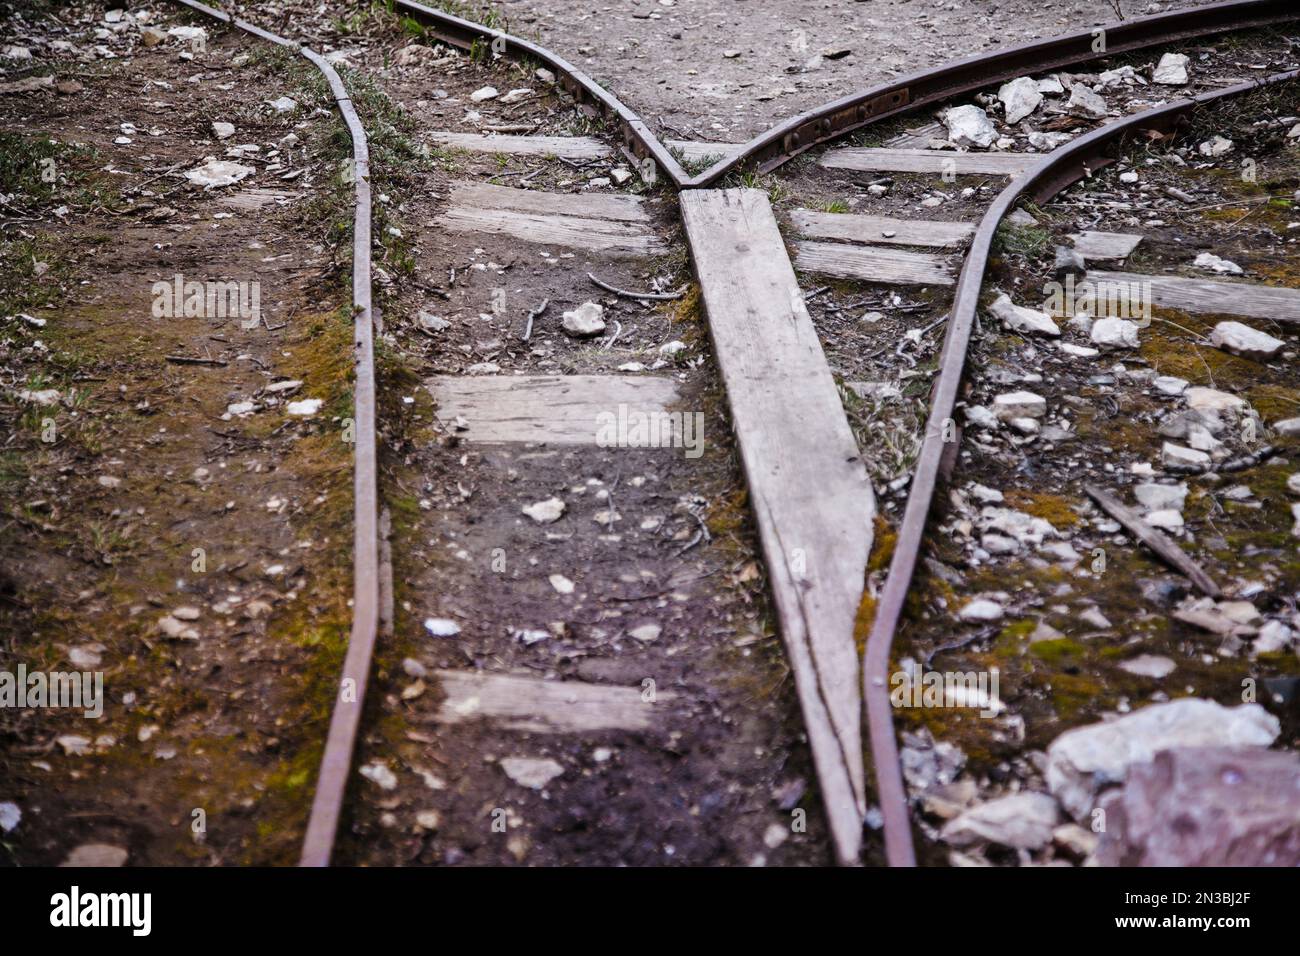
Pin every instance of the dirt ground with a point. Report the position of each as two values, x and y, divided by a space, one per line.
726 70
169 523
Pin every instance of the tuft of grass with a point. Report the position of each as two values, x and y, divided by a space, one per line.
1028 241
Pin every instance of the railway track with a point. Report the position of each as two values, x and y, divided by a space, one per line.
889 225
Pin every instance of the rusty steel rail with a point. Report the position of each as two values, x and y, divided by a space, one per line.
839 117
767 151
346 717
638 142
1052 174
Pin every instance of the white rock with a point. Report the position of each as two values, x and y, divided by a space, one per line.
1079 351
1025 426
429 322
985 495
584 321
516 96
1011 405
188 34
10 816
969 126
223 130
74 745
1082 761
44 396
283 104
1212 262
1061 551
1201 399
1166 518
1157 497
96 855
216 173
428 820
1178 456
1295 515
441 626
1216 146
775 835
1240 339
561 584
980 611
1085 103
176 630
1171 70
673 347
999 544
1273 636
1289 427
1095 618
645 633
1022 820
1019 98
1025 528
531 772
1293 484
484 93
1051 86
1114 333
1169 384
1045 143
379 774
305 408
1149 665
545 512
1021 319
980 416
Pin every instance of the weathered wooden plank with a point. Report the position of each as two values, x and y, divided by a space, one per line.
1156 540
872 263
567 147
879 230
507 198
555 409
534 705
1105 245
602 235
694 152
810 493
878 160
1204 296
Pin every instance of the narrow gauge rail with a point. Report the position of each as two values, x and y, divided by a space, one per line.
1043 179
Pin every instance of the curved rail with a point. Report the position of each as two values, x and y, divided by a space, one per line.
1051 175
838 117
346 717
842 116
638 141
